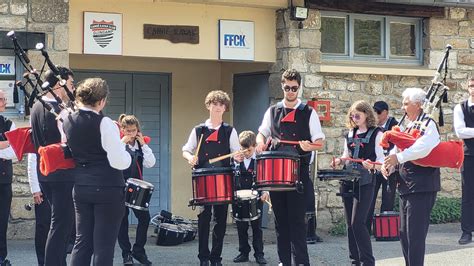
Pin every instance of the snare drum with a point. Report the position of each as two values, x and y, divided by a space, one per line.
245 208
169 235
386 226
189 232
277 171
212 186
337 174
138 194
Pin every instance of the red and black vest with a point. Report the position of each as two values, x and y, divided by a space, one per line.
214 144
6 168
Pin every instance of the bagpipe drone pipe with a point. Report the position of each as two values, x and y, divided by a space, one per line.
447 153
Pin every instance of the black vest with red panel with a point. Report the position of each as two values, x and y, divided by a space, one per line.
415 178
6 168
214 144
136 166
291 124
468 112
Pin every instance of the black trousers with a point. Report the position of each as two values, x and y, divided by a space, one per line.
142 228
415 209
257 235
389 188
5 206
467 206
290 209
59 197
357 201
218 232
42 225
99 212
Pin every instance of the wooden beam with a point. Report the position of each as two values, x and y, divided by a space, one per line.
368 7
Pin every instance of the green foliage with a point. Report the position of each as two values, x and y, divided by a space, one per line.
338 228
446 210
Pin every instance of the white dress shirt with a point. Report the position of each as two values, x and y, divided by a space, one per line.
149 159
191 145
8 153
378 148
460 128
314 124
422 146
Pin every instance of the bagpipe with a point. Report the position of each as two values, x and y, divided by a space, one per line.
447 153
55 156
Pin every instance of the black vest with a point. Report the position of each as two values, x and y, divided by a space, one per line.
136 167
82 129
299 130
469 120
246 175
213 149
44 131
362 146
6 168
414 178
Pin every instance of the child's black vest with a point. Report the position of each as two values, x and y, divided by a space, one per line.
6 168
213 149
247 175
297 130
362 146
136 167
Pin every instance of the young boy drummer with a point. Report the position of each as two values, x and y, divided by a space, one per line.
215 138
248 142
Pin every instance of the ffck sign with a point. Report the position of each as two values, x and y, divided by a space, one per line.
7 65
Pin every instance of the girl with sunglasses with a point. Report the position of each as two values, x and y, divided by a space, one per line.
361 142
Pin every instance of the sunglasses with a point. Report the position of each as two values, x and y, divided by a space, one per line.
293 89
355 117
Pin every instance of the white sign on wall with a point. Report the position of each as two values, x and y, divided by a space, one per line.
7 65
236 40
102 33
7 87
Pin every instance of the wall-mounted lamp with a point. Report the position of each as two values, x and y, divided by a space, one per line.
298 13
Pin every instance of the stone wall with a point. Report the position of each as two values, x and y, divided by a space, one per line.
49 17
300 49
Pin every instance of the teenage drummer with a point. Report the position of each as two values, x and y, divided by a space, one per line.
291 120
142 156
361 142
213 138
246 168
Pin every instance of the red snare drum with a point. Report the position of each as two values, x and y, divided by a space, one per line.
386 226
277 171
212 186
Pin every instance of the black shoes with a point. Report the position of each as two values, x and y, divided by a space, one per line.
466 238
260 260
241 258
204 263
142 258
5 263
127 259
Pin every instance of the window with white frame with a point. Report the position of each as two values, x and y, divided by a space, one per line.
370 38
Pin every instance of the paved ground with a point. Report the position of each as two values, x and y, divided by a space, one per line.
442 249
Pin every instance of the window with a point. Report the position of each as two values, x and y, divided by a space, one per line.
369 38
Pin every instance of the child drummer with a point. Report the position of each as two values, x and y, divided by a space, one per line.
208 140
142 156
246 167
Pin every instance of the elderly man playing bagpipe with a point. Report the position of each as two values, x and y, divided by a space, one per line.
418 185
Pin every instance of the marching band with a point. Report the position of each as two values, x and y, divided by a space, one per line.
86 171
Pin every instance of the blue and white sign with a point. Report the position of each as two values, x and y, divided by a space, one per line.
7 65
236 40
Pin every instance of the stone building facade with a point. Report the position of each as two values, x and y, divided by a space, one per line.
44 16
300 49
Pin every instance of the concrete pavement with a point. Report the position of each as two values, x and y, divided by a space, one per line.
442 249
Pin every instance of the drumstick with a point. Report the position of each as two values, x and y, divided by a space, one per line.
269 203
220 158
199 145
360 160
296 142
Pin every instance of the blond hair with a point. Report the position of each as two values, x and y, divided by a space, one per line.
247 139
125 120
218 96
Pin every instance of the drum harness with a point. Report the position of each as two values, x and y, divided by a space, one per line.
357 143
